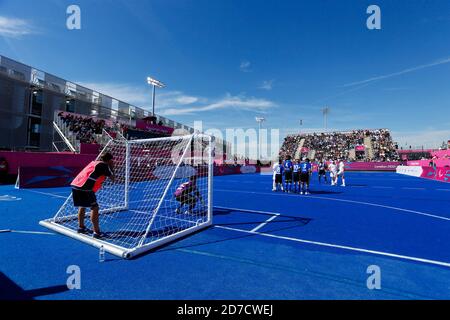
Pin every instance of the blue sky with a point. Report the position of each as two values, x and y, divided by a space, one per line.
227 61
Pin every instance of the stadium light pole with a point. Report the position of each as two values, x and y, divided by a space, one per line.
155 83
301 125
260 120
325 112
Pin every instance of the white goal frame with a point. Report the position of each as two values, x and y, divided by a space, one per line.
142 247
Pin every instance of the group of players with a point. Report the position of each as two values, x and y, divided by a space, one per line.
297 174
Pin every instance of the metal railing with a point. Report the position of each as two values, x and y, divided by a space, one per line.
66 135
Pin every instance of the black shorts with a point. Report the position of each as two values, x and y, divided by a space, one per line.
322 172
304 177
278 178
84 199
288 176
186 199
296 177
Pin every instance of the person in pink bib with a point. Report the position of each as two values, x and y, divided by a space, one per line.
187 194
84 187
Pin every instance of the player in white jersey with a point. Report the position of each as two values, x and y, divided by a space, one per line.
277 175
341 172
333 172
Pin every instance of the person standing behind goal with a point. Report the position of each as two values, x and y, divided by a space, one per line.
84 187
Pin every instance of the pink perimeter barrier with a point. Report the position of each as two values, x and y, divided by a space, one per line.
426 163
44 159
439 173
147 126
371 166
90 148
51 177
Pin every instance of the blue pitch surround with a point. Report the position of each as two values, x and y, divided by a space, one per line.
263 245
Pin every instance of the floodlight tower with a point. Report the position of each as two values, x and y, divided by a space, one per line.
155 83
325 112
260 120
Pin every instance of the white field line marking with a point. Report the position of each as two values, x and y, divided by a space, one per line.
442 189
349 201
331 245
264 223
34 232
408 188
47 194
382 187
247 210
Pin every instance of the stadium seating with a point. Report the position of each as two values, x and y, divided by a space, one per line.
356 145
88 130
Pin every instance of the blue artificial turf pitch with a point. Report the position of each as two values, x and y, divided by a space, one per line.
263 245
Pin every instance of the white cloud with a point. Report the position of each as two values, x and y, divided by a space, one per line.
236 102
245 66
175 102
408 70
174 98
15 28
267 85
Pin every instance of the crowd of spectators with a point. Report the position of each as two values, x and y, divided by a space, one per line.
290 146
383 146
338 145
84 128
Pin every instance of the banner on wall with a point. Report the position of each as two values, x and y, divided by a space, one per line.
438 174
371 166
51 177
150 127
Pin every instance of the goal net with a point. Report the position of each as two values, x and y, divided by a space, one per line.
161 191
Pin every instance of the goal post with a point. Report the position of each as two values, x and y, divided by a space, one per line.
161 191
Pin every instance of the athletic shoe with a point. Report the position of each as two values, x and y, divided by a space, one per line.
177 211
187 212
98 235
342 185
82 230
306 192
301 192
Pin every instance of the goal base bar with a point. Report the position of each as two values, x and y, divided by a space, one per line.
118 251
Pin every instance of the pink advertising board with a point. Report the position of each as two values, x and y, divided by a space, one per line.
371 166
44 159
426 163
439 173
147 126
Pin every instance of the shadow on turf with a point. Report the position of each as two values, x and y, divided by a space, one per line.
299 222
11 291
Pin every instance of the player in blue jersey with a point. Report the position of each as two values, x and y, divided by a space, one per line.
278 176
305 172
287 164
296 175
